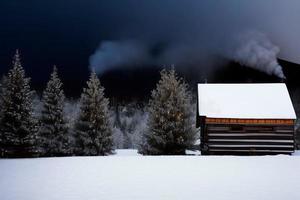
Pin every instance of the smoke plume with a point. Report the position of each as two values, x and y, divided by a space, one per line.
112 54
252 49
197 34
257 51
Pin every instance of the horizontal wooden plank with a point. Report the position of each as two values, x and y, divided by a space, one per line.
284 131
249 121
250 138
250 146
250 149
257 150
250 131
250 134
249 126
217 128
250 141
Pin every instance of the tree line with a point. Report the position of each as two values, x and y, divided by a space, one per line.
169 128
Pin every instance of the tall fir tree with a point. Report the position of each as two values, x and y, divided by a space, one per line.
93 127
170 127
18 127
53 132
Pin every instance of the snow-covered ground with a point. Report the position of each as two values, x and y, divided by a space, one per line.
130 177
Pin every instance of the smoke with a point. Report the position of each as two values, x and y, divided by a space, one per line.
112 54
252 49
257 51
133 53
197 34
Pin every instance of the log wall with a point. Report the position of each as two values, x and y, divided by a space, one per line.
246 136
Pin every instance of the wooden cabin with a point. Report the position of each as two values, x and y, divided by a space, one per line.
248 119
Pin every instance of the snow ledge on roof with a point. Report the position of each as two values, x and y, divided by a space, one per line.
245 101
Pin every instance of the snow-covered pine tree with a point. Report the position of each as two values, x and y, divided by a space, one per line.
93 127
2 89
170 128
18 127
53 132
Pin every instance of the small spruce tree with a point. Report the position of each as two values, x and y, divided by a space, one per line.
18 127
93 127
170 127
54 138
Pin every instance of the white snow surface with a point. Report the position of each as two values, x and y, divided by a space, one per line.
151 178
245 101
127 152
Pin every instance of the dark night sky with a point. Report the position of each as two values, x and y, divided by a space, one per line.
66 33
48 33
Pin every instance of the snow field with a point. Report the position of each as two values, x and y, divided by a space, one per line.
129 177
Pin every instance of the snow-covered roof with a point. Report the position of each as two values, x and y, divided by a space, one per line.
245 101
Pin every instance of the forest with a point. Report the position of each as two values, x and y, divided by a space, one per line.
51 125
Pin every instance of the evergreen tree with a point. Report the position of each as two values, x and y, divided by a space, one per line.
2 89
170 127
54 138
18 127
93 127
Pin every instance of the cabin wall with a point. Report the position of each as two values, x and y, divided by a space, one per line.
240 136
